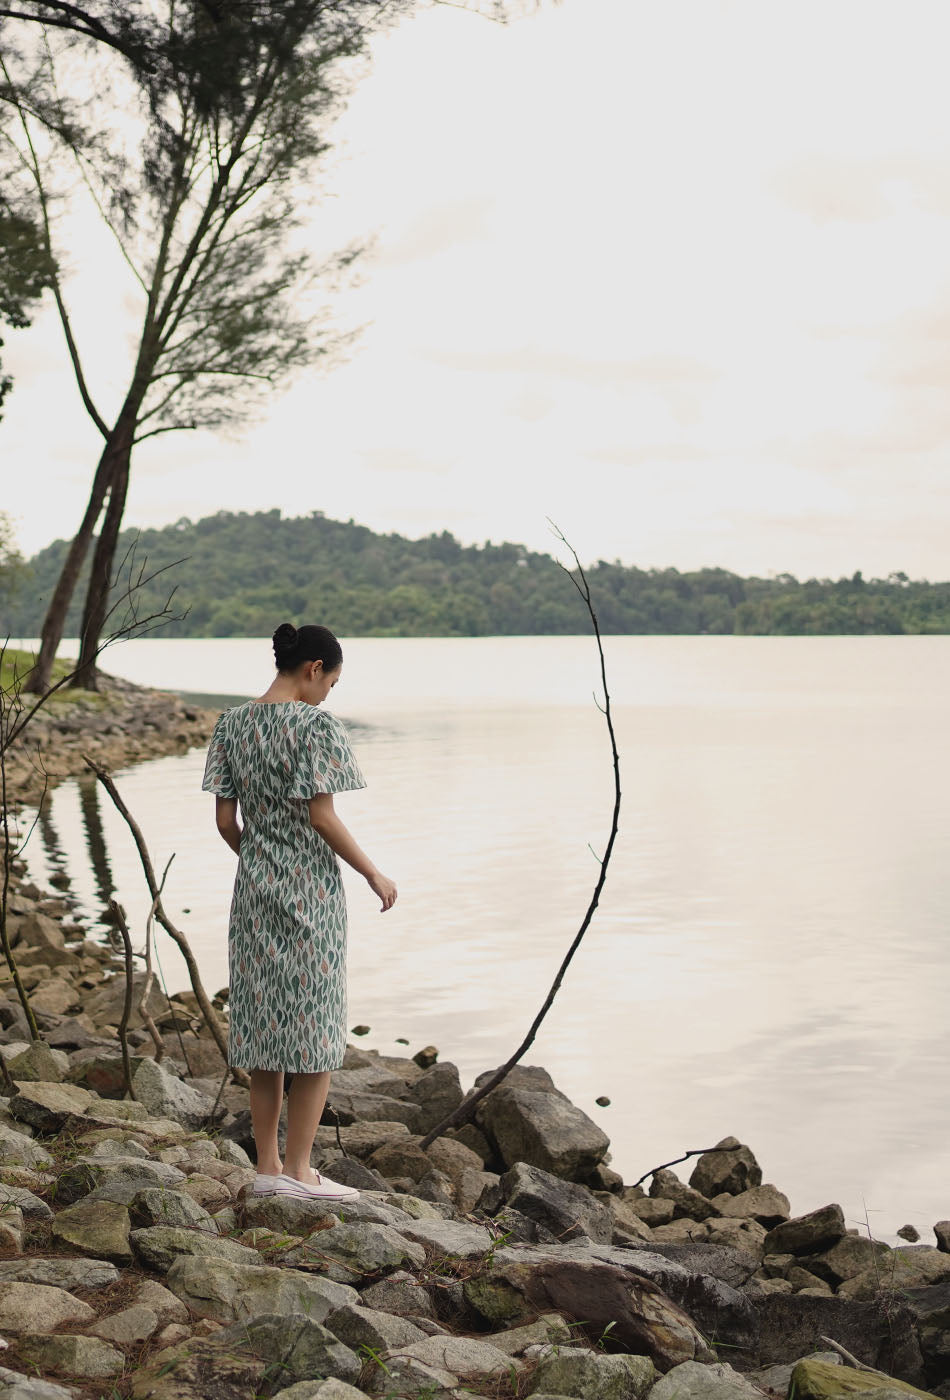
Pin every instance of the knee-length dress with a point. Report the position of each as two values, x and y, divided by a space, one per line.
287 930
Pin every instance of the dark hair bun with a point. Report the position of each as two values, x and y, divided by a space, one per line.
285 646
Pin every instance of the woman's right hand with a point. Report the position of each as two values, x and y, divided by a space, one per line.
384 888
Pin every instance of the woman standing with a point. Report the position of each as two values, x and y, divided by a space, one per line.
281 759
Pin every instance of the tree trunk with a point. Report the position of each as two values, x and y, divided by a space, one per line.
55 621
100 577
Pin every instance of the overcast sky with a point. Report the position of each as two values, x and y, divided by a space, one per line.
676 275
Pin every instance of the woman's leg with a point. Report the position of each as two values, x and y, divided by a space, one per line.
267 1096
305 1102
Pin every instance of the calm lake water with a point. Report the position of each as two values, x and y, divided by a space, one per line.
769 958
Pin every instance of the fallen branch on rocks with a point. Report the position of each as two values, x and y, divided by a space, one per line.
850 1359
466 1109
118 915
201 996
693 1152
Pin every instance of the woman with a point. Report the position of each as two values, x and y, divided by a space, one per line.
282 759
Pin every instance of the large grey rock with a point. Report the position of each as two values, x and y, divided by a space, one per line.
38 1307
353 1253
18 1150
687 1203
567 1210
298 1216
819 1380
199 1369
373 1078
790 1325
301 1347
25 1200
161 1301
40 931
693 1381
373 1108
437 1093
543 1130
917 1267
49 1107
130 1174
358 1326
231 1292
590 1375
59 1273
930 1308
458 1238
74 1356
126 1328
13 1386
766 1204
167 1097
160 1245
329 1389
400 1294
39 1062
734 1170
550 1329
461 1356
807 1234
154 1205
99 1228
852 1255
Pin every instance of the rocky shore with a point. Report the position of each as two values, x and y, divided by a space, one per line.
118 725
506 1260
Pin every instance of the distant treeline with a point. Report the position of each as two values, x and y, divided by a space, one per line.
240 574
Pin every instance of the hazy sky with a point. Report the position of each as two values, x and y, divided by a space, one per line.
677 275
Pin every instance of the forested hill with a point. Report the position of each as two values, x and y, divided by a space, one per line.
241 574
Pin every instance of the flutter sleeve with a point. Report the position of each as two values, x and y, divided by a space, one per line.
217 778
325 761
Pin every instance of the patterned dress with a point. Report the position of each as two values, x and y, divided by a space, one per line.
287 934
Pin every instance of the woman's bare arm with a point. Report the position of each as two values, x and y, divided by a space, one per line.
225 817
326 823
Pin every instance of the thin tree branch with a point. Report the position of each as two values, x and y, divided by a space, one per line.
693 1152
465 1110
207 1010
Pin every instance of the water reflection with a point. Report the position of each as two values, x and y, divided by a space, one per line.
89 800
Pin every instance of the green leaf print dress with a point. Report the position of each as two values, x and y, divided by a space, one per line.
287 933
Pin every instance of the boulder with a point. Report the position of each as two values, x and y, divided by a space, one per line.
458 1238
98 1228
542 1129
24 1200
821 1380
161 1301
299 1216
791 1325
371 1108
39 1062
437 1093
852 1255
301 1347
766 1204
731 1170
360 1326
40 931
644 1318
198 1369
16 1149
692 1381
126 1328
350 1172
14 1386
400 1294
128 1174
461 1356
231 1292
590 1375
549 1330
687 1203
329 1389
154 1205
915 1267
807 1234
59 1273
207 1191
400 1157
464 1169
747 1236
49 1107
36 1306
562 1207
165 1096
86 1357
160 1245
351 1253
653 1210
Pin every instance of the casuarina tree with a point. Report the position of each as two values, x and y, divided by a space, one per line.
195 161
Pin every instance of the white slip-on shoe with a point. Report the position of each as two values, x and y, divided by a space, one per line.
264 1185
323 1189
